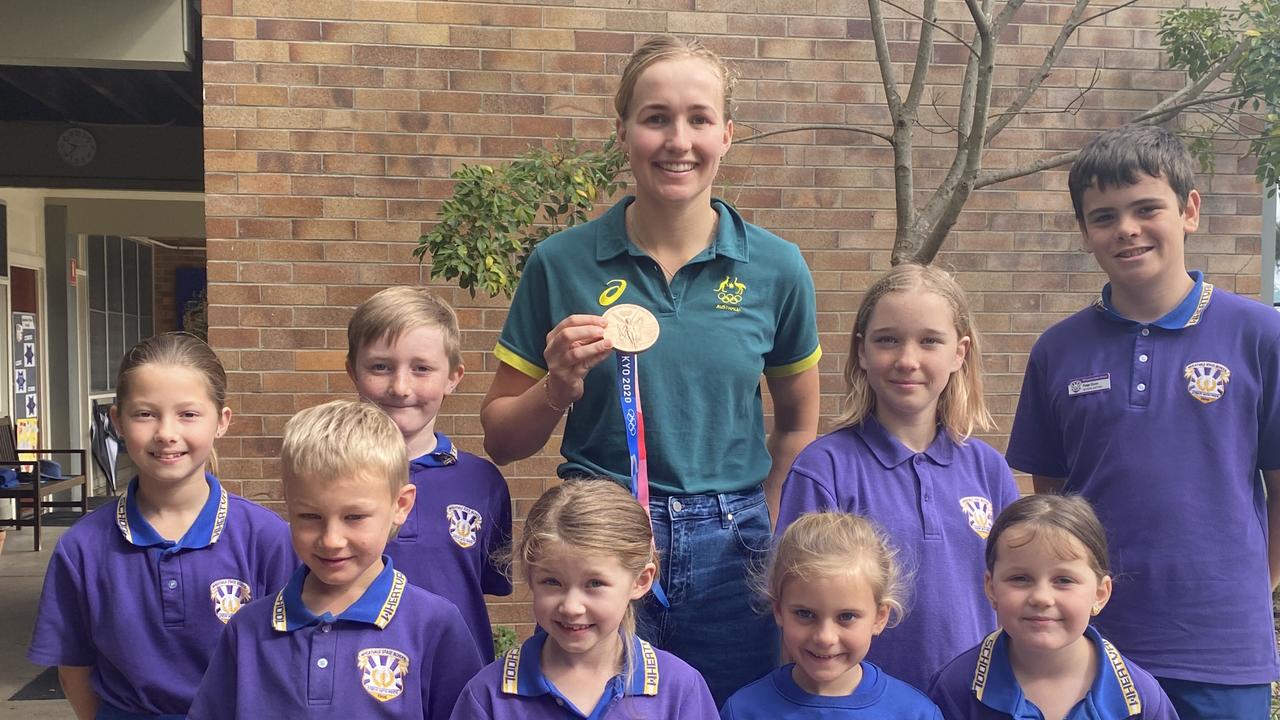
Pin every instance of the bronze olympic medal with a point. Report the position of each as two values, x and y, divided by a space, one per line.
631 328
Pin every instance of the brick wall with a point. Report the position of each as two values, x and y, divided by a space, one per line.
331 127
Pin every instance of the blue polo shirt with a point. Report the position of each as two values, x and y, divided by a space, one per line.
1164 427
397 652
660 685
742 307
980 685
877 696
144 611
456 534
937 507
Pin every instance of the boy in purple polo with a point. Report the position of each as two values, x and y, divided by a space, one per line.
1160 404
404 355
348 636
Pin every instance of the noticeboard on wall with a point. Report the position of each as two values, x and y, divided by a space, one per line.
26 379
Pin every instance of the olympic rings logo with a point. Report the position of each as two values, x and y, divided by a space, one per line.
729 298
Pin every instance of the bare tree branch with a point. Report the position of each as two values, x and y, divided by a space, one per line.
944 206
933 24
1165 108
1006 14
1071 108
941 118
1105 11
924 55
887 76
991 177
843 128
1041 73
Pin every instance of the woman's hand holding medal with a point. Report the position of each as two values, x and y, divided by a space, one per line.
574 346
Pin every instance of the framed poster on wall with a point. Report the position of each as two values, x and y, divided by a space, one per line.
26 380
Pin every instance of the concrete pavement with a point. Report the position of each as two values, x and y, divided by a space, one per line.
21 576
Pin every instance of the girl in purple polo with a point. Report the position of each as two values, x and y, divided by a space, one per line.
588 555
903 456
1047 574
834 583
138 592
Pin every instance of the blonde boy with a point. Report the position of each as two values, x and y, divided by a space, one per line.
404 355
348 636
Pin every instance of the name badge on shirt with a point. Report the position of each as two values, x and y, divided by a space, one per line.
1087 385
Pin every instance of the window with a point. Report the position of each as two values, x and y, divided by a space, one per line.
120 304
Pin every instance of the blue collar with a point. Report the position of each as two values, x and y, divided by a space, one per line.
730 240
375 607
522 673
870 689
891 452
1187 313
204 532
1112 695
446 453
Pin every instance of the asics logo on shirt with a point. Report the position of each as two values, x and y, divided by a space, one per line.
612 291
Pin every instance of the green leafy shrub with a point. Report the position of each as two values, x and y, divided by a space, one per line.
1197 39
496 216
504 639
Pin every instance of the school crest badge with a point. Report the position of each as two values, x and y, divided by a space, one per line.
382 672
1207 381
464 525
228 595
978 510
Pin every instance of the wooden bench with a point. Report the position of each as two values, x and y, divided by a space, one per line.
32 494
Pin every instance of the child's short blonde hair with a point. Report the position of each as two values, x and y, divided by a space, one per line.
396 310
961 406
341 439
836 544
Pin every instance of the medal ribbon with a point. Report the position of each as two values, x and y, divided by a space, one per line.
633 419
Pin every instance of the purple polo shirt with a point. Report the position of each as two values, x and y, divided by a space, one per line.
877 696
1164 427
397 652
146 612
980 685
937 507
458 529
513 688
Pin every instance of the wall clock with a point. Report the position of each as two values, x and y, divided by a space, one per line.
77 147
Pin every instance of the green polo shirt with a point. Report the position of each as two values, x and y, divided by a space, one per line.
741 308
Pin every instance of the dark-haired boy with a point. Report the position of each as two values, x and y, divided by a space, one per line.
1160 403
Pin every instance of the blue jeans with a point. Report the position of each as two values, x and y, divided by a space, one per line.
708 546
1210 701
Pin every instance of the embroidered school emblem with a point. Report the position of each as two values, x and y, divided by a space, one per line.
464 525
978 509
1206 381
729 293
382 672
228 595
